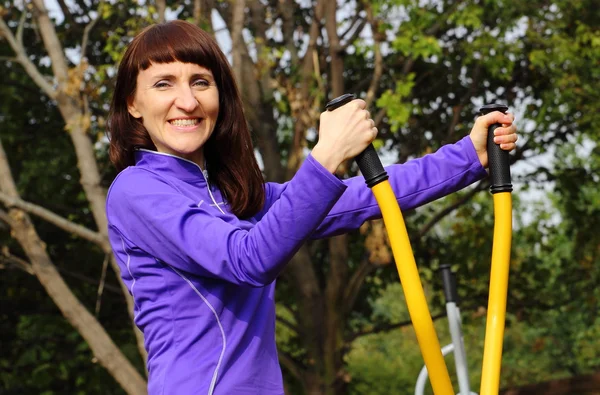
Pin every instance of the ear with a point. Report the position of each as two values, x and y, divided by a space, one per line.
132 108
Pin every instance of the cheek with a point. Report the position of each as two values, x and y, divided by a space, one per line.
214 100
156 110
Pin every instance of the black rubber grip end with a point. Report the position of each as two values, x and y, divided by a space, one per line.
368 161
498 159
370 166
340 101
449 282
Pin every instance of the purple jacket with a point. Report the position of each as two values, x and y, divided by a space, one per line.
203 280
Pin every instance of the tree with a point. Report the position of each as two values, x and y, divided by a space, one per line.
73 106
422 68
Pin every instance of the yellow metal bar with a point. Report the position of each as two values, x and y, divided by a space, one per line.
496 315
413 290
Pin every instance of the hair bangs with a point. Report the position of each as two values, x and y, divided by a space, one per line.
167 43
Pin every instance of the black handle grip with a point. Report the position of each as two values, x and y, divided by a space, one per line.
368 161
498 159
449 282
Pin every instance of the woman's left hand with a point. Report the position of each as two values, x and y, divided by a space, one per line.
506 135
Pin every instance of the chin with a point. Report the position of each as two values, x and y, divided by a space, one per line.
186 151
186 148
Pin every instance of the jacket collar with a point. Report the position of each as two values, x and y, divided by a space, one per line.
168 164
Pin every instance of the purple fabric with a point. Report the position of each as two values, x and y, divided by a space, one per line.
203 280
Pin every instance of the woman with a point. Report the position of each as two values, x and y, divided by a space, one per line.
200 238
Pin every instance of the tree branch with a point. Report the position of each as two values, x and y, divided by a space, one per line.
22 58
355 283
20 27
88 29
256 91
67 13
433 29
378 58
386 327
354 20
22 87
447 210
8 259
56 220
457 109
202 10
52 44
5 217
360 24
286 10
197 12
14 261
114 289
237 39
288 324
336 61
378 118
161 7
101 285
103 347
292 366
578 384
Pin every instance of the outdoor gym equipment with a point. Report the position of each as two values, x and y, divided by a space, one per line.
457 346
501 188
376 178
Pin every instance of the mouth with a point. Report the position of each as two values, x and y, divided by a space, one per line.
185 122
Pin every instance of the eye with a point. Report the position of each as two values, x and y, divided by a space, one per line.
201 82
162 84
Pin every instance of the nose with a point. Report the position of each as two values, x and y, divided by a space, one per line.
186 100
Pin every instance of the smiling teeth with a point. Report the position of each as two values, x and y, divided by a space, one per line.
184 122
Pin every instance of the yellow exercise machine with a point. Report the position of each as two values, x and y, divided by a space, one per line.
501 188
376 178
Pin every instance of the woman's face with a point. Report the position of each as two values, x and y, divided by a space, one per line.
178 104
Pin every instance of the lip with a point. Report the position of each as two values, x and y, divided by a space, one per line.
186 128
173 119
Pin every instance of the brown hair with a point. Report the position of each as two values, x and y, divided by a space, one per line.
229 154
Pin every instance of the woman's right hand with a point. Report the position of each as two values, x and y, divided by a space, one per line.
344 133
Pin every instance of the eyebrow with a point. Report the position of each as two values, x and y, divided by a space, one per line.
172 77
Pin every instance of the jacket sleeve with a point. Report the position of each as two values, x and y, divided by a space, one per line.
154 216
415 183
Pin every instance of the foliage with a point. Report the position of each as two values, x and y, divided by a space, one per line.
440 61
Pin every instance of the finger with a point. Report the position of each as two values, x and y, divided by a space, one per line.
512 120
511 115
372 122
375 132
360 103
508 147
367 114
506 139
503 131
495 117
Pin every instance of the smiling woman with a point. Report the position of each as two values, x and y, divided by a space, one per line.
200 238
178 104
176 71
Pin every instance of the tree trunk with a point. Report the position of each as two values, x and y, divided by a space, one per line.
107 353
74 114
96 196
237 39
338 246
161 8
581 385
335 317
